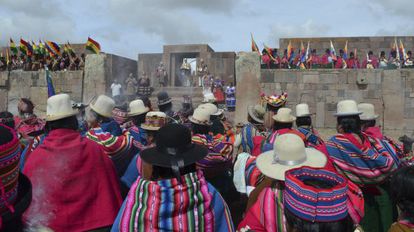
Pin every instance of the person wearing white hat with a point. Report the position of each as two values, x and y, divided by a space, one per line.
71 175
137 112
304 126
283 123
289 152
368 166
117 145
216 165
100 115
368 120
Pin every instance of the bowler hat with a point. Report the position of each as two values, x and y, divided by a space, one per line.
163 98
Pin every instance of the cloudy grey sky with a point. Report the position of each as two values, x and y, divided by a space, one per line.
129 27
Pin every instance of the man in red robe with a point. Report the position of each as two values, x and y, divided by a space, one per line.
75 186
371 62
340 60
352 62
314 60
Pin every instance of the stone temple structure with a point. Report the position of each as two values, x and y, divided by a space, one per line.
391 91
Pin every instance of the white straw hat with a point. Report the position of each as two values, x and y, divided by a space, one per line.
302 110
210 107
103 106
347 108
284 115
288 152
201 116
154 120
59 106
368 111
137 107
257 112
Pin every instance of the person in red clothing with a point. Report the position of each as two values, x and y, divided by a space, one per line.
340 60
314 60
75 186
326 60
352 62
371 62
265 59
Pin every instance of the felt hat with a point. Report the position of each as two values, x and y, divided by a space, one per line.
173 148
302 110
314 204
347 108
368 111
103 106
288 152
163 98
59 106
201 116
137 107
275 100
154 120
257 112
213 109
284 115
208 98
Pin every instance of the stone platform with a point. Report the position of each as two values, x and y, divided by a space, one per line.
177 93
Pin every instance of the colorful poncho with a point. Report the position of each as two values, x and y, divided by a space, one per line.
119 148
219 158
30 126
267 214
311 137
140 137
246 174
166 205
362 163
248 132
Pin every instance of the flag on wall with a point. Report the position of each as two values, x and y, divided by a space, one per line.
403 55
53 48
289 50
255 48
93 46
333 52
13 47
25 47
270 52
50 88
42 48
346 50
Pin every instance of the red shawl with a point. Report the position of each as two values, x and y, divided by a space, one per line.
75 187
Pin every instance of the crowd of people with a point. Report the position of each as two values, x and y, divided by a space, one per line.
270 59
65 61
104 167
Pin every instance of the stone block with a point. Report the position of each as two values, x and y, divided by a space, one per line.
4 79
341 93
392 82
3 99
328 78
352 76
267 76
394 108
310 79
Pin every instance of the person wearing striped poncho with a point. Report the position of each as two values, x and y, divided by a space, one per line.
367 165
171 195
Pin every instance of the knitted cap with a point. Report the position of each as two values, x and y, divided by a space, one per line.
9 167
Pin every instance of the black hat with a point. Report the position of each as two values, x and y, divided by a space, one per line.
174 148
163 98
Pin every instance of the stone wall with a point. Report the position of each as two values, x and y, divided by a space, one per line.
148 63
391 91
362 44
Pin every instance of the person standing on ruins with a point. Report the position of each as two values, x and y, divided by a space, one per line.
116 88
162 75
371 62
352 62
314 60
340 60
131 87
202 70
144 85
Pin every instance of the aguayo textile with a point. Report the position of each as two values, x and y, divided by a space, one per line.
267 214
248 132
360 162
119 148
65 197
9 172
30 126
139 136
166 205
312 138
246 174
219 158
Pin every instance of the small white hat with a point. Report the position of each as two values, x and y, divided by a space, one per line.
208 97
59 106
368 111
347 108
103 106
137 107
154 120
284 115
302 110
210 107
201 116
288 152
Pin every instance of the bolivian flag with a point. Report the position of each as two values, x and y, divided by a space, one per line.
13 47
42 48
25 47
93 46
255 48
53 48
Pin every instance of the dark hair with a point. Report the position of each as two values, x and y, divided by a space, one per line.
167 173
217 127
138 119
301 225
370 53
327 50
6 135
303 121
350 124
100 118
368 123
165 108
282 125
147 101
409 53
382 53
200 129
30 105
402 192
64 123
7 119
